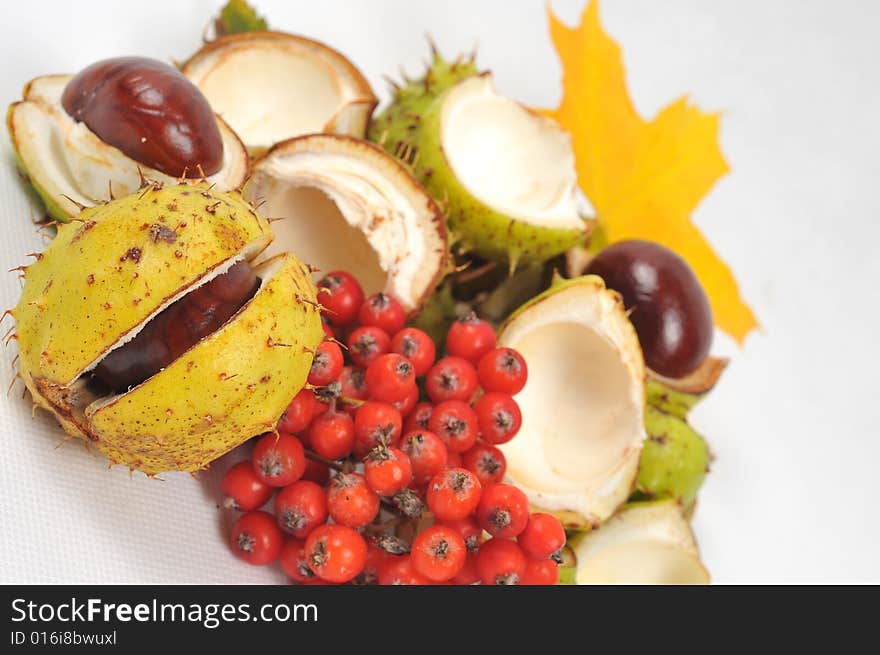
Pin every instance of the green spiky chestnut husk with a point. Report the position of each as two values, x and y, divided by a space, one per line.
238 16
115 266
395 126
674 461
670 401
410 129
479 228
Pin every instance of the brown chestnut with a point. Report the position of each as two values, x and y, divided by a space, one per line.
670 310
148 110
177 328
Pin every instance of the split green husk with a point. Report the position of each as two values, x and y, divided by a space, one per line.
489 213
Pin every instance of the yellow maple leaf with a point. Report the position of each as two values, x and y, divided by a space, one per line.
644 178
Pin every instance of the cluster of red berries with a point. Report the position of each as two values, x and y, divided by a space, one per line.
416 495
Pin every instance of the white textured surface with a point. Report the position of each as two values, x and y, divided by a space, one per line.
794 423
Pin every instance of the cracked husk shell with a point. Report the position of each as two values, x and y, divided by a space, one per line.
344 203
118 265
580 460
643 543
70 167
450 126
273 86
392 128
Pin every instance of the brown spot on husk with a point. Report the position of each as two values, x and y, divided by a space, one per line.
159 232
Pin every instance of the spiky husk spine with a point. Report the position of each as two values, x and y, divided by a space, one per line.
396 126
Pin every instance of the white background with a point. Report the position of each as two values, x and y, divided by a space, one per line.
794 422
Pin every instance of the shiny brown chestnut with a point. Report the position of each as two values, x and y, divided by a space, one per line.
177 328
148 110
671 312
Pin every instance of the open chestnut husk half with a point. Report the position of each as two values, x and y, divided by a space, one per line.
273 86
88 138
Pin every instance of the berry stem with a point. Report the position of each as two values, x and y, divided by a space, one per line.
385 525
387 504
315 457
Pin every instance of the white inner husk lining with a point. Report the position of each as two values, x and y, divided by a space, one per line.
346 204
517 162
294 86
585 361
66 157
